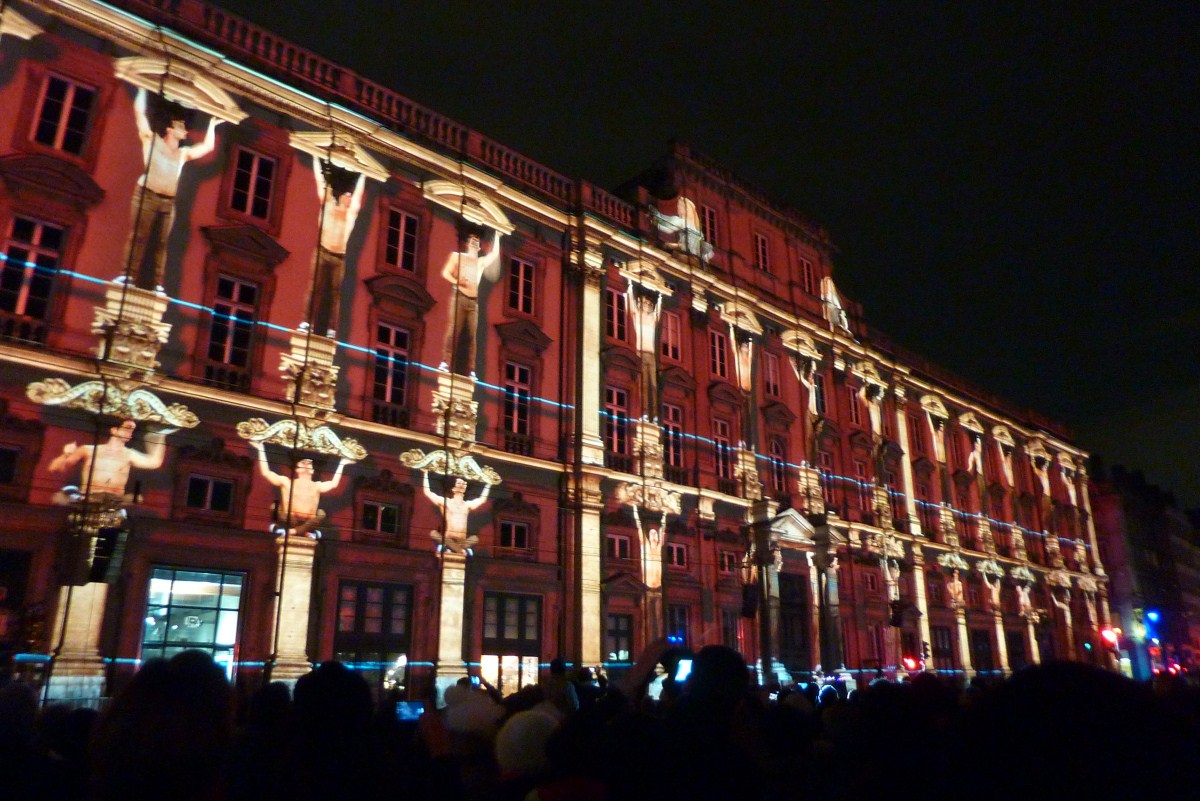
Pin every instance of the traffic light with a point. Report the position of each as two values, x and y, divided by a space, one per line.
896 608
1111 637
925 651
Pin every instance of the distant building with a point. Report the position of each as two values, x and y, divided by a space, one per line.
1151 549
296 370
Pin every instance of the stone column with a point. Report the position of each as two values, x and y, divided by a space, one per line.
964 642
922 601
1031 642
1001 642
910 498
296 554
833 655
591 641
591 324
450 664
78 669
814 611
768 587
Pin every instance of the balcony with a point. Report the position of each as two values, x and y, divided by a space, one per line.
390 414
621 462
226 376
521 444
677 474
729 486
19 328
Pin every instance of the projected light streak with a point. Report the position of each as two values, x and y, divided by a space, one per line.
552 403
187 304
851 481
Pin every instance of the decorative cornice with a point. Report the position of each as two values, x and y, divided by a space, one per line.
42 175
245 241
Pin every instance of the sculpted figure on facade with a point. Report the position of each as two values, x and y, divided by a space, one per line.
937 435
1024 603
106 467
743 359
975 457
835 315
651 543
678 217
299 510
164 133
456 510
341 194
466 270
954 589
645 312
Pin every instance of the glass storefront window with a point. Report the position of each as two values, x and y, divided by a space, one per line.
192 610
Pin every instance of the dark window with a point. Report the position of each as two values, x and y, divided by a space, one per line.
677 622
616 315
618 638
771 380
727 562
943 645
722 449
708 224
381 517
672 426
512 624
374 632
778 461
520 286
729 627
514 535
400 247
676 554
672 336
232 322
717 357
8 464
253 182
64 116
391 364
808 277
210 494
616 420
617 546
855 406
819 389
517 394
31 259
762 252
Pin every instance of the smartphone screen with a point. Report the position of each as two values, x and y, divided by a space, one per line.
683 670
409 710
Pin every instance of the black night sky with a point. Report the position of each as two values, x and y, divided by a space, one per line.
1013 186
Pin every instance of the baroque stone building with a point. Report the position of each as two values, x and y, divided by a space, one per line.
297 369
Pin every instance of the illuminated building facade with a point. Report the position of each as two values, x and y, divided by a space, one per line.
297 369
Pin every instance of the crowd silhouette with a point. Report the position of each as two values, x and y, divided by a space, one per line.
176 731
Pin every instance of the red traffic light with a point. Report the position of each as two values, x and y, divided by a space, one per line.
1110 636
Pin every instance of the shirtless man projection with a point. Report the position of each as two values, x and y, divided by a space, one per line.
645 328
341 200
651 546
455 511
106 466
153 205
466 270
300 496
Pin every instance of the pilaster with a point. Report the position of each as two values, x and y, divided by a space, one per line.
78 671
296 554
450 663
